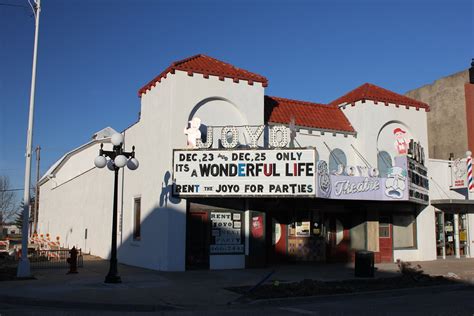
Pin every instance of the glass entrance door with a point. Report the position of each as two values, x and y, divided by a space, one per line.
449 234
446 234
463 235
440 250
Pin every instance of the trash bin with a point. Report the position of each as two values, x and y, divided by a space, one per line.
364 264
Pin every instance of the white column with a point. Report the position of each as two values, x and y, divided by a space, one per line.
247 232
444 235
468 238
247 227
470 234
456 236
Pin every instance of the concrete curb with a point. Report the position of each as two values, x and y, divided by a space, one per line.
391 292
18 300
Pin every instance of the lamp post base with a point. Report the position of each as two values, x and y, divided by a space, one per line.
113 279
24 270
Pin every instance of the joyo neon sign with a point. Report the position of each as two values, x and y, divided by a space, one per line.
279 135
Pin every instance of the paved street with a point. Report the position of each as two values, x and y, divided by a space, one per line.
428 302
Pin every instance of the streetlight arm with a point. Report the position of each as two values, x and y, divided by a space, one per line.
118 150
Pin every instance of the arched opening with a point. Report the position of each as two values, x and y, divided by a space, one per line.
384 163
337 157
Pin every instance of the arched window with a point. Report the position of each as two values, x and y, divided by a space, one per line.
384 163
336 158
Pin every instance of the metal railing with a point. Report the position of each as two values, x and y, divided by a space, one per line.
52 259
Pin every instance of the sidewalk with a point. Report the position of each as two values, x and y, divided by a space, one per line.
143 289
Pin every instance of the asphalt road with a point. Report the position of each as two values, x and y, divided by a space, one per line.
427 302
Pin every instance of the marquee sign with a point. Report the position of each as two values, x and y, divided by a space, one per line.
200 171
248 173
418 183
226 233
279 135
371 187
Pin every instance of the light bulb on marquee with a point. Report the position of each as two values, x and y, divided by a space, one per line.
234 135
283 131
209 139
254 136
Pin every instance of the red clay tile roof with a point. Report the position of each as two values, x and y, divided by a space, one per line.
206 66
374 93
306 114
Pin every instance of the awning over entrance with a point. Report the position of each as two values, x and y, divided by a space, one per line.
454 205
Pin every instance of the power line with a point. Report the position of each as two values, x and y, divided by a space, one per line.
10 190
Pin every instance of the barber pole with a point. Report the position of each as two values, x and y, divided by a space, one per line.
469 171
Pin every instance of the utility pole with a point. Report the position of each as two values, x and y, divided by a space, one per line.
35 214
24 270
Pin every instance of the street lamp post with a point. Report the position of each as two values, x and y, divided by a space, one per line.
118 158
23 270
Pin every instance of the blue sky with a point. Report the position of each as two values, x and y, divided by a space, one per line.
94 55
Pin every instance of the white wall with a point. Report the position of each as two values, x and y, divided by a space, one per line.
426 239
368 119
440 180
79 197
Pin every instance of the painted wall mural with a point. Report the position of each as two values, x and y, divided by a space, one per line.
401 143
395 184
393 140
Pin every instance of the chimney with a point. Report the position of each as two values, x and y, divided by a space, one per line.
471 72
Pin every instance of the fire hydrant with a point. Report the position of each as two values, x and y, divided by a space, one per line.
72 260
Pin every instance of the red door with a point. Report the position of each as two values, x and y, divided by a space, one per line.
277 237
279 240
385 239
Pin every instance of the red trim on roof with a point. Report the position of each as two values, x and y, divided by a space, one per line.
306 114
375 93
207 66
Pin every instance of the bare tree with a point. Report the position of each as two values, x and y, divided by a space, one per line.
8 203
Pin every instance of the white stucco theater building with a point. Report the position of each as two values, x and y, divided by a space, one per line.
232 178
